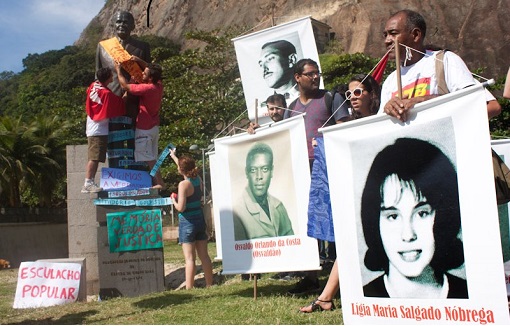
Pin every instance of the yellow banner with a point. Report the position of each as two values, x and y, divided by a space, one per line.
119 54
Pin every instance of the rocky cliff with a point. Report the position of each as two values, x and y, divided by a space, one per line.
477 30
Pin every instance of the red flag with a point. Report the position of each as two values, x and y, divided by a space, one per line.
379 69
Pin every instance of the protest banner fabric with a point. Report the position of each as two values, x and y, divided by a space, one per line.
248 50
456 124
217 195
42 284
290 184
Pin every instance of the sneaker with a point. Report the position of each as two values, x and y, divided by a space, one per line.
91 187
306 286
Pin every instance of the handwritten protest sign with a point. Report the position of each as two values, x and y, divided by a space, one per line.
42 284
124 179
134 230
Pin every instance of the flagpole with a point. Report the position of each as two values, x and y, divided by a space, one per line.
397 59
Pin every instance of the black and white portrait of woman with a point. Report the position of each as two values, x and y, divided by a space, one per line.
411 223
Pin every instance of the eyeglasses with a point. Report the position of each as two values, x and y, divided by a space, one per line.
312 74
356 92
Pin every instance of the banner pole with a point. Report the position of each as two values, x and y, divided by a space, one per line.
254 286
256 111
397 61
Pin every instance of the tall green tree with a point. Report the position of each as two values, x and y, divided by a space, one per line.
29 155
203 94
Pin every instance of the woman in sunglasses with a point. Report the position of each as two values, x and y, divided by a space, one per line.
364 96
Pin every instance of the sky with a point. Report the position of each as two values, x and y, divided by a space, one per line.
37 26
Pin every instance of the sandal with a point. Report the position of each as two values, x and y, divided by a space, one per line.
317 307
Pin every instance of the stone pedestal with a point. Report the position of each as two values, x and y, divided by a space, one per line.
81 215
109 274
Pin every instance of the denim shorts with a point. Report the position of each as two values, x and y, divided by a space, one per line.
191 230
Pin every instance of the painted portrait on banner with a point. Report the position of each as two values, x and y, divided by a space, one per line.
407 202
266 62
265 181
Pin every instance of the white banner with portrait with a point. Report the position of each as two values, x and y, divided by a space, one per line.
266 62
502 148
415 216
217 195
265 181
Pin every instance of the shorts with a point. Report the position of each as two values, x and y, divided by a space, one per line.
146 144
191 230
97 148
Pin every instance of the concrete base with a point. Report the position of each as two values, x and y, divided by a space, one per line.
82 222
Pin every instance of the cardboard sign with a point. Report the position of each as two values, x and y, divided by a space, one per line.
134 230
42 284
124 179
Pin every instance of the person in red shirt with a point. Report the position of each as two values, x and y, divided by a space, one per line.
150 93
101 104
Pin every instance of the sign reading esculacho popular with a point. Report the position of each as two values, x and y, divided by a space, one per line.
43 284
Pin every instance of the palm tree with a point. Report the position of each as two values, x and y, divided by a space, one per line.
30 158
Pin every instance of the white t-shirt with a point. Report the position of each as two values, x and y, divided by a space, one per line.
97 128
420 79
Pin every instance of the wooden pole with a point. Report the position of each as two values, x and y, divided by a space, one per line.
256 111
272 14
254 286
399 76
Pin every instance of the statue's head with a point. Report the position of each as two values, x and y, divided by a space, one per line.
124 24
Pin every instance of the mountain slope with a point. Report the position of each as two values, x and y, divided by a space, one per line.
477 30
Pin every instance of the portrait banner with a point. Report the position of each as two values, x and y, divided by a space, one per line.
502 148
217 195
265 180
266 62
415 215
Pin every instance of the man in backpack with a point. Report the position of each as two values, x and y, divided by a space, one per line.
322 109
418 68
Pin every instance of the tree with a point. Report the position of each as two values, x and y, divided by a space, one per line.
203 93
29 155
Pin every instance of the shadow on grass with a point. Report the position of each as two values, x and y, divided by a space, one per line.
175 280
69 319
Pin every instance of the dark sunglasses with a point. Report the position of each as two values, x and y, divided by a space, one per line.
356 92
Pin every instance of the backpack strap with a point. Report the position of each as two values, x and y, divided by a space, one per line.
289 109
442 88
329 99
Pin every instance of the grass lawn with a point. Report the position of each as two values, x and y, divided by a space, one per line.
227 303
